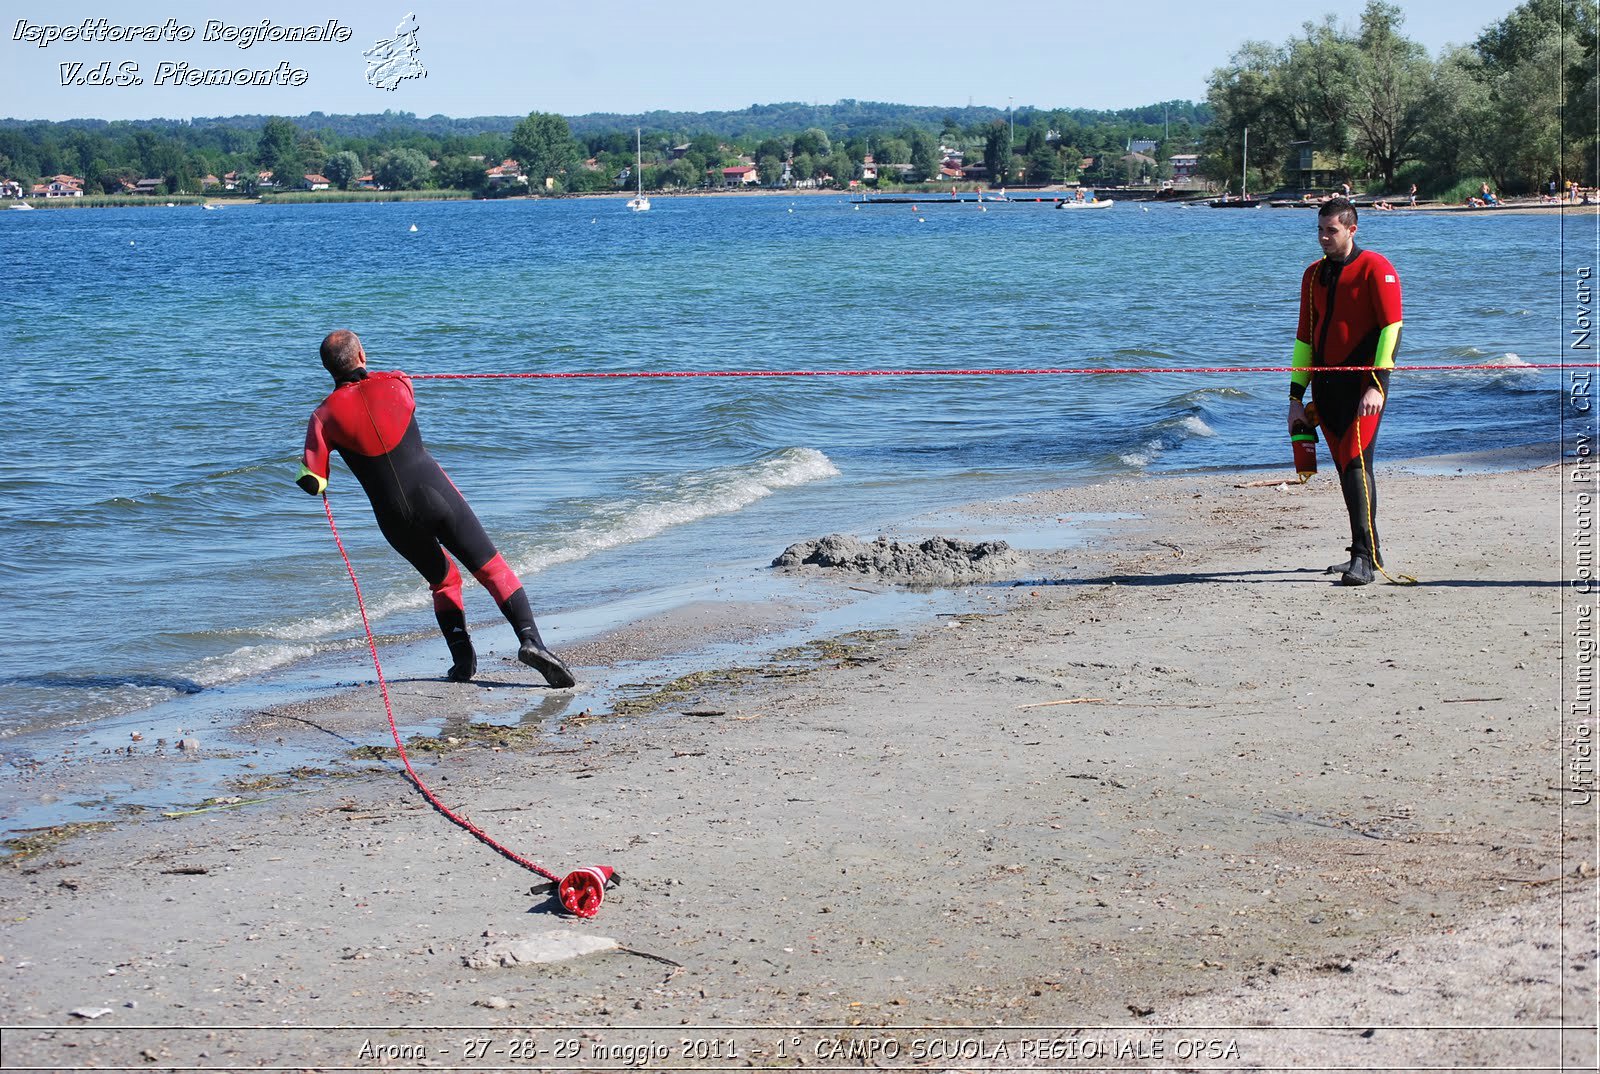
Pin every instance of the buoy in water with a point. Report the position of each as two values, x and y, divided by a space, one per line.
413 227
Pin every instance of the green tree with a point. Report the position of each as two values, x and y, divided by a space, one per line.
342 169
1528 94
543 145
924 156
1246 94
402 169
997 152
842 169
1390 90
769 169
278 150
812 141
460 173
1043 164
891 151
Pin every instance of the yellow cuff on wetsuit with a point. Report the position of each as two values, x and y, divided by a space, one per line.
1301 360
1388 343
315 486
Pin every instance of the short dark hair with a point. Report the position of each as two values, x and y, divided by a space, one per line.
341 352
1340 207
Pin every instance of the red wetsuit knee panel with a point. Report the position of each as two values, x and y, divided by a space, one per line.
447 594
499 579
1353 441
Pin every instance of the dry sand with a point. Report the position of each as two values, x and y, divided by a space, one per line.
1269 802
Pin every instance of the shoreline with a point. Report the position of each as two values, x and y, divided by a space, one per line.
726 617
1021 196
1176 762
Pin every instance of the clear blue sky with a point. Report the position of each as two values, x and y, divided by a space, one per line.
646 55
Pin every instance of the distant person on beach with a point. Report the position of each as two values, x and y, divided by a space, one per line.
1413 195
1488 195
370 419
1349 315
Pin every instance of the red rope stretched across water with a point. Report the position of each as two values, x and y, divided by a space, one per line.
470 828
1061 371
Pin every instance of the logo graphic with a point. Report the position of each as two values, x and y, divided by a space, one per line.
391 62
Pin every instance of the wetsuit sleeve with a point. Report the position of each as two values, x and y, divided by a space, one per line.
1386 297
1301 359
313 476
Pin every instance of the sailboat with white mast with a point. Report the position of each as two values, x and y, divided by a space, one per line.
638 203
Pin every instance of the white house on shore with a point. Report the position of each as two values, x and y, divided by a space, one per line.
59 186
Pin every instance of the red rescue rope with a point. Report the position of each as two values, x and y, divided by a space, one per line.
411 773
1062 371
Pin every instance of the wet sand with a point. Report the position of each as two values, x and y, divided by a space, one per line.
1174 785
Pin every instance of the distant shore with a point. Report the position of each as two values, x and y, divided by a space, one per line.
932 196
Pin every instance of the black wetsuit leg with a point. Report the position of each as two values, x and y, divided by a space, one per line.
1361 501
1338 395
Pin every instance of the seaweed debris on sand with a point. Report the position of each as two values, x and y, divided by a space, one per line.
932 561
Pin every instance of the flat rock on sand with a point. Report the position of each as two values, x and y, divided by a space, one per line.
937 559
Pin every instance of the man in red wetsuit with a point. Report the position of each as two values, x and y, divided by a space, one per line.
370 419
1349 315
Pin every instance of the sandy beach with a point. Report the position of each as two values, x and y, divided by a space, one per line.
1170 799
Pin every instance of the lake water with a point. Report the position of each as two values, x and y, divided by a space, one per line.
158 366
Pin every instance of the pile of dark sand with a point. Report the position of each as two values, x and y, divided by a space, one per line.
930 562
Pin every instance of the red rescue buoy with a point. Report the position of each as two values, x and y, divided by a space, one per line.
582 891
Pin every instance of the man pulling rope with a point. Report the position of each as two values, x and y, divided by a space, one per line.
370 419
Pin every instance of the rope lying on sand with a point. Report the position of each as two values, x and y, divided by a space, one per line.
579 892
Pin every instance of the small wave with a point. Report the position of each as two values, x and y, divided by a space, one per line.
1498 370
1141 352
246 661
1201 396
688 499
1169 434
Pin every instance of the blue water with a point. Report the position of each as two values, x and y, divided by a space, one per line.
157 367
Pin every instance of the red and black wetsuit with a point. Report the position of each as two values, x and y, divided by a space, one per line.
370 419
1349 315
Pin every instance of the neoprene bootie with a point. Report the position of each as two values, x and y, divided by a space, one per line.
1360 572
1341 568
465 658
533 653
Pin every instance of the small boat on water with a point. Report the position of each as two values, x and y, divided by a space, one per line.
638 203
1106 204
23 206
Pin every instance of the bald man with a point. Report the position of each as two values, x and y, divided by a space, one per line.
371 420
